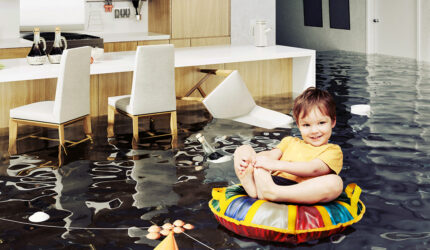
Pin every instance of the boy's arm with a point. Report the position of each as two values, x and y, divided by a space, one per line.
274 154
312 168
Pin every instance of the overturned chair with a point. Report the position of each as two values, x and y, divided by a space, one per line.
152 92
71 104
232 100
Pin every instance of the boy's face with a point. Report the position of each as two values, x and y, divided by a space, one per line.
316 127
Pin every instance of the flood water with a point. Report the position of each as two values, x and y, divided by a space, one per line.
107 194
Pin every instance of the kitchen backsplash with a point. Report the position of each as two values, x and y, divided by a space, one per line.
97 20
9 19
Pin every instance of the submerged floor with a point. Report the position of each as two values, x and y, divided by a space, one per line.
107 194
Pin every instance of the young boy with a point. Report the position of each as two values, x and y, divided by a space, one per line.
299 171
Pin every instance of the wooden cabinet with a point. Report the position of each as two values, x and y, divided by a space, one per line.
14 53
200 18
130 46
191 22
120 46
152 42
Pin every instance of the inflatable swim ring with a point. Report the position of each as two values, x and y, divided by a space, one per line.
283 222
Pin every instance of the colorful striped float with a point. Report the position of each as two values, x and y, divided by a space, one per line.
282 222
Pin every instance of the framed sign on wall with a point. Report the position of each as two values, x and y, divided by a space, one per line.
312 11
339 14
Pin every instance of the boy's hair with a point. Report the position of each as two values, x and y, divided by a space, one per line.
313 97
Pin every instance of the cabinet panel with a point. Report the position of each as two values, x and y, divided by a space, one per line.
207 41
265 78
14 53
120 46
159 16
181 43
200 18
152 42
113 85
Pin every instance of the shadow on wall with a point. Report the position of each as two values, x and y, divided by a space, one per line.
330 32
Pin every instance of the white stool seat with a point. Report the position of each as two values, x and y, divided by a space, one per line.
231 100
38 111
265 118
121 102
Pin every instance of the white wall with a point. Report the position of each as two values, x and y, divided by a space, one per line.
99 20
243 15
424 43
291 30
80 15
9 19
47 14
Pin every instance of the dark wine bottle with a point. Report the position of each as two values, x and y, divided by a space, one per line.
137 6
60 43
37 55
210 152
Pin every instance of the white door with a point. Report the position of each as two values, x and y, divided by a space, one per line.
392 27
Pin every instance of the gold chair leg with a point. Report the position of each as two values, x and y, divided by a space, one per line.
174 128
13 133
60 156
62 141
111 121
135 120
87 126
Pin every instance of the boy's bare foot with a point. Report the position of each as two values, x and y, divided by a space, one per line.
246 178
263 183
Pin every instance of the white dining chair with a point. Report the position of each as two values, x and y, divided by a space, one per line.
152 92
232 100
71 104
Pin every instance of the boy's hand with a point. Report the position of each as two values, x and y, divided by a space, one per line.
265 162
246 162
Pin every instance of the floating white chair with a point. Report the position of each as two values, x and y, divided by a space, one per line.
231 99
152 92
71 104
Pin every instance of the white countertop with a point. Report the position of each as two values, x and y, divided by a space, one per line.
19 70
107 38
129 36
15 43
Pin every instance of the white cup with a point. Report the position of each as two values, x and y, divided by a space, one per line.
97 54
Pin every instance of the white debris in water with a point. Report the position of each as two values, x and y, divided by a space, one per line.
337 238
222 159
377 248
38 217
185 178
360 109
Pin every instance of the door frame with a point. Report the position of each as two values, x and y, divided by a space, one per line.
370 28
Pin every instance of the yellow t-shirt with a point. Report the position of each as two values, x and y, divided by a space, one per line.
296 150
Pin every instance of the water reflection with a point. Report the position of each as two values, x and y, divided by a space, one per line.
111 195
71 185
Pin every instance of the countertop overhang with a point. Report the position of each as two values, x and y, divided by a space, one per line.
107 38
115 62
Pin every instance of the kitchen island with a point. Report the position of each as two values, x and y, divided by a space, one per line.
266 70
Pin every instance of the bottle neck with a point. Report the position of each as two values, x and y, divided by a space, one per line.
206 146
57 40
36 38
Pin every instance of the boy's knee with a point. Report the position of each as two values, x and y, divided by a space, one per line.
335 184
243 149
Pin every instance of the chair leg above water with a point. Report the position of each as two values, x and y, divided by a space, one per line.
13 133
111 121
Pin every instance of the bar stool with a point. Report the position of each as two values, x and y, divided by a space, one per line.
152 92
71 104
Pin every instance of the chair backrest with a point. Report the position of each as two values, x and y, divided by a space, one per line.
72 97
153 88
230 99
